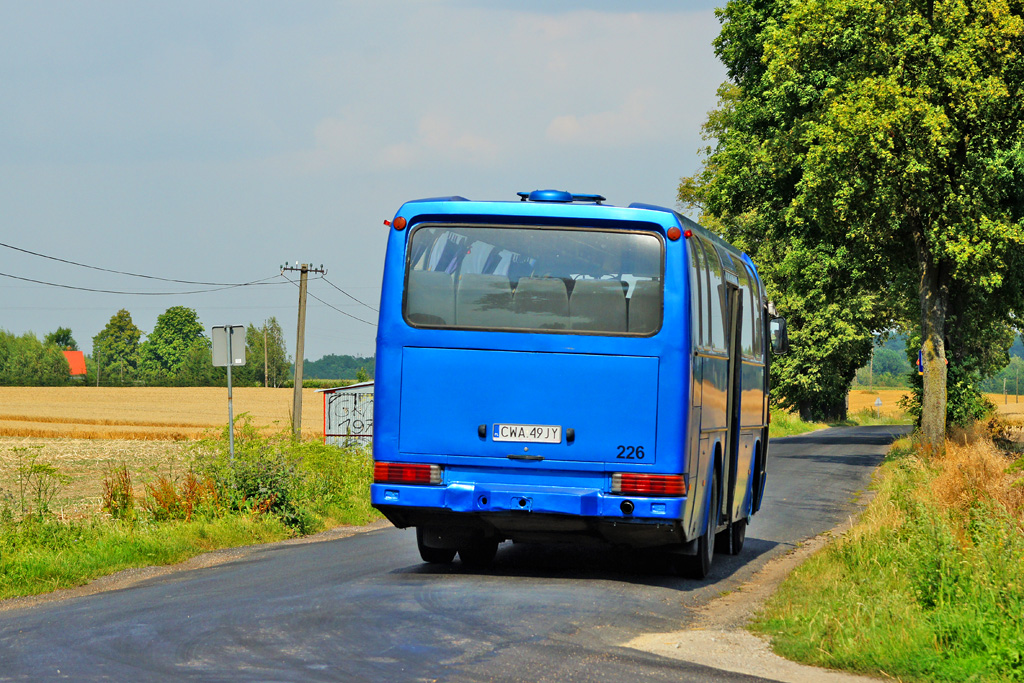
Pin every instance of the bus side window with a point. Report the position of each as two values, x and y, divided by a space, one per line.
716 300
698 273
755 306
746 324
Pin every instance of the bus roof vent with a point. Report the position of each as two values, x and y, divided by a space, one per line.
560 196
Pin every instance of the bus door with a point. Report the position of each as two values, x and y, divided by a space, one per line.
734 324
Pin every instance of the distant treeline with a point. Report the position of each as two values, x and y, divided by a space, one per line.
338 367
176 353
892 367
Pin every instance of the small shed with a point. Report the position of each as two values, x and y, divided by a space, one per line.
76 363
348 414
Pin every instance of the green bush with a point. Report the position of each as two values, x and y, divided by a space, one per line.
302 483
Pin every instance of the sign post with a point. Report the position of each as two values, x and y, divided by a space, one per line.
226 354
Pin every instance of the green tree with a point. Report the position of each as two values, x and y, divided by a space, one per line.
116 349
196 369
830 311
890 132
62 339
278 363
177 332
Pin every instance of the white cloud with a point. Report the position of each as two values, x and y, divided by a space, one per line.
630 123
440 139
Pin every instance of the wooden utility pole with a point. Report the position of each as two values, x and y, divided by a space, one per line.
265 384
300 341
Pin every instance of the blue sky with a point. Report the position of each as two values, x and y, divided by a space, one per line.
214 141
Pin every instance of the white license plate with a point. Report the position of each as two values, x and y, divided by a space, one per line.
527 433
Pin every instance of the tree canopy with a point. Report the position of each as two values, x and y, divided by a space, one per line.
116 349
62 339
26 361
177 337
869 155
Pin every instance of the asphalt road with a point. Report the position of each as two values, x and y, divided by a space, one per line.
365 608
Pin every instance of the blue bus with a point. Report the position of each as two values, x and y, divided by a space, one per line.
556 368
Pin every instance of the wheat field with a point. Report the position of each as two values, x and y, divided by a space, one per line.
864 399
148 413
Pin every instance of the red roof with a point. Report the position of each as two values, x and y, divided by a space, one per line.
76 361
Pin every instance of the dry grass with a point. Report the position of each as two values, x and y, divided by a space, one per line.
147 413
977 471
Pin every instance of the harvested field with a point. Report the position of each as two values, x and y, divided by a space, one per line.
148 413
1009 405
864 399
87 462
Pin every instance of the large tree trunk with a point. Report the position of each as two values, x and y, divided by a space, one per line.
934 294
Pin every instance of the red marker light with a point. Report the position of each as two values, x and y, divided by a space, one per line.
399 223
387 222
648 484
674 233
688 234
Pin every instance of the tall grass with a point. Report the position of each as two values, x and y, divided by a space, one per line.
929 585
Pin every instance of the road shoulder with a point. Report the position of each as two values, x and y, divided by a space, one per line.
717 636
132 577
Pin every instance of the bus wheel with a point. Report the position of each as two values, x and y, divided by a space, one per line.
433 555
479 554
699 566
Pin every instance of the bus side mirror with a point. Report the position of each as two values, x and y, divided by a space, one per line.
780 340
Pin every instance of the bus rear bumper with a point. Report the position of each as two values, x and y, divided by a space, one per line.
533 514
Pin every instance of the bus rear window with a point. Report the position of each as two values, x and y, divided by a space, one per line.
529 279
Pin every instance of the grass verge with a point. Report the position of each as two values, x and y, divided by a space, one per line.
784 423
273 488
928 585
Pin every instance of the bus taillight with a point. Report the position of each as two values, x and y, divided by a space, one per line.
648 484
406 473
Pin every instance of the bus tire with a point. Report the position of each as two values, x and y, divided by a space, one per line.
699 566
730 540
433 555
479 554
737 535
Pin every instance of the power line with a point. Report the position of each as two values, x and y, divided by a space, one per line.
330 306
122 272
112 291
350 296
